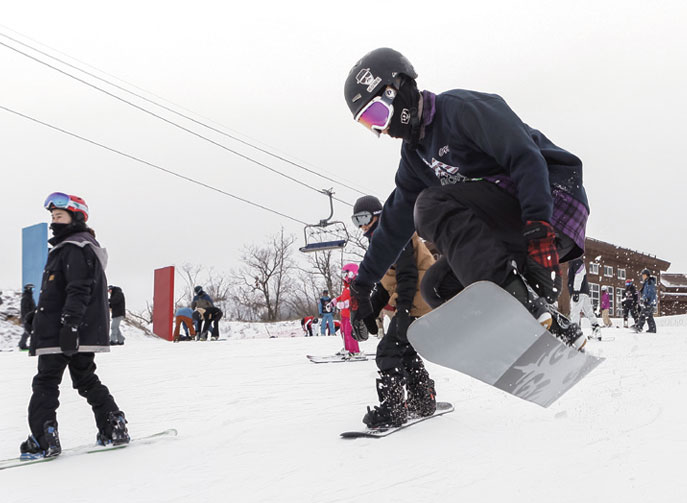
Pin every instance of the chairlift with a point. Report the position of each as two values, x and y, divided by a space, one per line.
325 235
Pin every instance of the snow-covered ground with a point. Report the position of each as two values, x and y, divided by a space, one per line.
258 422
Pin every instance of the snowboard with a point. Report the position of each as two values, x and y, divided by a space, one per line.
89 449
486 333
442 408
339 358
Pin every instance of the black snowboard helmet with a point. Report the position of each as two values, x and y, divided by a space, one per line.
368 203
646 271
370 76
198 289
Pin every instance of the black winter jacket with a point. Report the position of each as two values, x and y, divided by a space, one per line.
472 135
27 304
117 302
74 291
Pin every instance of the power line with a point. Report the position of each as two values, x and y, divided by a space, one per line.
183 128
138 159
169 109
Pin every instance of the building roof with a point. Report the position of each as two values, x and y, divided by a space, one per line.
674 280
661 264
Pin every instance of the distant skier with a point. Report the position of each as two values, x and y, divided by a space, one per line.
497 198
118 308
648 302
400 367
306 325
27 307
606 307
325 310
578 287
342 302
201 302
630 303
70 326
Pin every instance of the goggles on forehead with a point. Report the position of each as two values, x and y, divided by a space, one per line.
376 115
363 217
63 201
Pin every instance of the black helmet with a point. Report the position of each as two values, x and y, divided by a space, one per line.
368 203
369 76
646 271
28 286
198 289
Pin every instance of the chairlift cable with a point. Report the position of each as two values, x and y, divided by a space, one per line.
168 171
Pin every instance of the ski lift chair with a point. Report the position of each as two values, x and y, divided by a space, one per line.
325 235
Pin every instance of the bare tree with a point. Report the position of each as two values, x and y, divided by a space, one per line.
266 271
357 246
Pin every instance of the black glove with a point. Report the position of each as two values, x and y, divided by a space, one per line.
403 321
361 310
69 339
371 325
576 297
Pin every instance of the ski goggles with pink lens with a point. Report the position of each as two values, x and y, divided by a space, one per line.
376 115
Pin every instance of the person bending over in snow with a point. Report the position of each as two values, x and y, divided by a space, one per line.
71 325
400 367
497 198
306 325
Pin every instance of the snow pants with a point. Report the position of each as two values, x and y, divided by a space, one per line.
350 344
187 324
395 355
630 309
327 322
605 315
116 336
647 314
45 398
584 305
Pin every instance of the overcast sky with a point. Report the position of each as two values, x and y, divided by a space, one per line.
606 80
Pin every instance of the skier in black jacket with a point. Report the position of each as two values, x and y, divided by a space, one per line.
27 307
70 326
497 198
118 308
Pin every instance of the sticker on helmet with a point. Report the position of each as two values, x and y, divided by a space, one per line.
366 78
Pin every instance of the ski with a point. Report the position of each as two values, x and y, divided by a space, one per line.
442 408
89 449
340 358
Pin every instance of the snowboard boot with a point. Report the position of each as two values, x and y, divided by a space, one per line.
392 410
114 432
560 327
596 332
536 305
421 393
32 449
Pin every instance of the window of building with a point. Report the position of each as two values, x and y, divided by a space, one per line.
595 292
593 268
608 271
609 289
619 294
621 274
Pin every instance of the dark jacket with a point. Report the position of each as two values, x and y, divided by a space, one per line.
324 306
28 305
577 273
74 291
472 135
631 296
648 291
202 300
117 302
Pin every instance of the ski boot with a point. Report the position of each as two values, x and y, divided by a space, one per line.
32 449
342 352
392 410
421 393
114 432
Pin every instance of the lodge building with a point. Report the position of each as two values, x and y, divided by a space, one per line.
610 265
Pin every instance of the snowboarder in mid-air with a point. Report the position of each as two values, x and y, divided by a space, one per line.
71 324
497 198
401 369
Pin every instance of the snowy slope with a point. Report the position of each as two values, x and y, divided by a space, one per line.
258 423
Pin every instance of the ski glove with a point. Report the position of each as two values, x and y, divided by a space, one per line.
69 339
542 259
361 311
